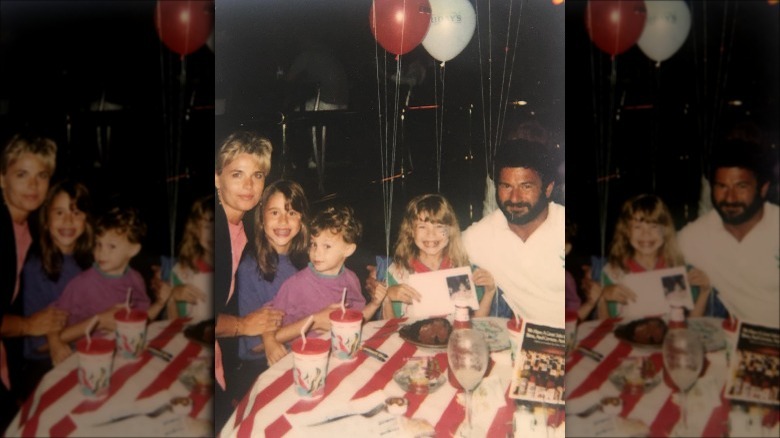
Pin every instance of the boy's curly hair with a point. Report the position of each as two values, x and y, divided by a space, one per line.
338 219
125 221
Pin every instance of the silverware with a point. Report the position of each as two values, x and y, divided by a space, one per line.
368 414
153 414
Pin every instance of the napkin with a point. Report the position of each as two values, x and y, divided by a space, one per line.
330 409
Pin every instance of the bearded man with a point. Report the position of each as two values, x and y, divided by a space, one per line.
522 243
738 243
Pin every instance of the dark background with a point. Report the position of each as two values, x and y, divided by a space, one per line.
149 144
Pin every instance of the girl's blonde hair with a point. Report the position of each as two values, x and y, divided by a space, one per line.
51 256
244 142
650 209
190 248
267 258
435 209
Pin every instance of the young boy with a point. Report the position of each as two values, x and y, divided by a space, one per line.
317 289
102 289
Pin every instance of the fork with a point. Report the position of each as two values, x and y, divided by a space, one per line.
368 414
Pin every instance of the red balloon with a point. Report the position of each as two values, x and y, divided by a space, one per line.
615 26
184 25
400 25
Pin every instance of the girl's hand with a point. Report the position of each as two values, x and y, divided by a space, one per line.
592 290
379 293
619 293
699 278
483 277
188 293
59 351
106 319
403 293
322 318
274 351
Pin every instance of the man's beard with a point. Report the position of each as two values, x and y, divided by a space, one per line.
748 211
534 210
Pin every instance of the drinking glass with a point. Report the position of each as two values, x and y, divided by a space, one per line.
467 356
683 354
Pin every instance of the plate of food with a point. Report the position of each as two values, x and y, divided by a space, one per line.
636 375
643 333
421 375
429 333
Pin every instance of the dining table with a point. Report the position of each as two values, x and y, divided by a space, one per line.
272 408
653 408
168 369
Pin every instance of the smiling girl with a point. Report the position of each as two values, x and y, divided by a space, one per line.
429 240
64 251
278 252
645 240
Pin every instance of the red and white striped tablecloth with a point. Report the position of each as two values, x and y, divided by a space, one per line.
657 407
57 401
262 411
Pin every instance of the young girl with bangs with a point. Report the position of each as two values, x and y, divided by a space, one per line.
645 240
429 240
64 250
280 249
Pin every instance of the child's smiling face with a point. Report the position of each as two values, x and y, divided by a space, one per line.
430 238
328 251
113 252
66 222
280 223
646 237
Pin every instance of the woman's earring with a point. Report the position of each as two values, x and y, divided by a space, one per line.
219 196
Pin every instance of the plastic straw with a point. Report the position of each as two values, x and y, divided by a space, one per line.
89 329
127 301
343 302
303 330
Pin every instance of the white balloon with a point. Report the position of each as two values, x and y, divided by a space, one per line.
452 26
666 29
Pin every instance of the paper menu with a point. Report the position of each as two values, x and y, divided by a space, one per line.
656 291
539 369
440 290
754 374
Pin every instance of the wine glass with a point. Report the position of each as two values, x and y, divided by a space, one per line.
467 355
683 354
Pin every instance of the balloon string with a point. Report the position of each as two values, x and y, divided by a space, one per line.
485 142
505 99
722 79
504 90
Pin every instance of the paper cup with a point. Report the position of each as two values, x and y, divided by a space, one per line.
95 365
345 333
570 330
515 333
310 366
130 332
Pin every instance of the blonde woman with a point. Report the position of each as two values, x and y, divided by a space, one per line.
241 165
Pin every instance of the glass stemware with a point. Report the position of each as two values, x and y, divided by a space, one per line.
683 355
467 356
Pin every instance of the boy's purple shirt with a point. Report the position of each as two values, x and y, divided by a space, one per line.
308 292
92 292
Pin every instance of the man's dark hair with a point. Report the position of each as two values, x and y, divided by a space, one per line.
740 153
529 154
